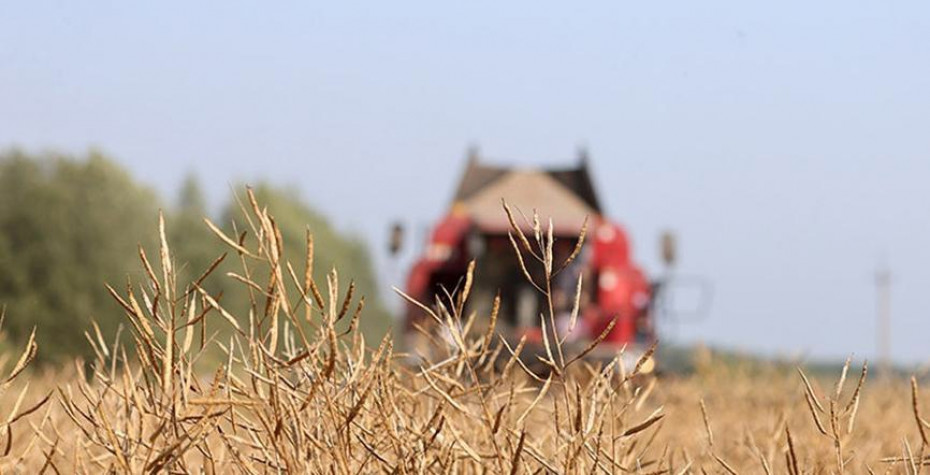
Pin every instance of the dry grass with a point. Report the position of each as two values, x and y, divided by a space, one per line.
301 391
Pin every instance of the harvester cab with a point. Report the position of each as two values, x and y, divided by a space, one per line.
615 290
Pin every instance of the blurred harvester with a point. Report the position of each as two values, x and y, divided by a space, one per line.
476 228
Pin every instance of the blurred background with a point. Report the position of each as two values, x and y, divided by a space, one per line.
784 144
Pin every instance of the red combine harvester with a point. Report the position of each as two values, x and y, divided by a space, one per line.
476 228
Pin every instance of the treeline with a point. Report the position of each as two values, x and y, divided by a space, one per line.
69 225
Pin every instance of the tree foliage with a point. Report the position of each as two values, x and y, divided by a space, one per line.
69 225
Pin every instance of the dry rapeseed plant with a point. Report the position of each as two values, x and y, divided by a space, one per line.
17 412
301 391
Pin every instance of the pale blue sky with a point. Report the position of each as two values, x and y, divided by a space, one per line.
786 143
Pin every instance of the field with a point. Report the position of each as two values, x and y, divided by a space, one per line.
298 389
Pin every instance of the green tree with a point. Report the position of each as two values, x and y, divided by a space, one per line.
67 226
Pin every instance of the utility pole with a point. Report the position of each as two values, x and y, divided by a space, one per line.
883 310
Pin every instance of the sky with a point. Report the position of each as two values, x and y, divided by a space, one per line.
786 144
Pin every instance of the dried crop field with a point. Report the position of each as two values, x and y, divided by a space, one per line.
301 391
